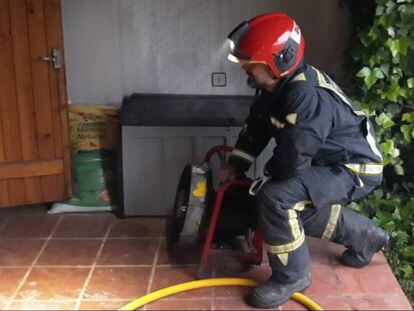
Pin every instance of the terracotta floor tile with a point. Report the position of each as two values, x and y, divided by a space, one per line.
19 252
3 220
321 251
180 254
229 264
128 252
336 251
327 253
118 283
257 273
102 304
43 305
324 282
379 259
138 227
84 226
9 281
24 210
292 305
53 284
327 303
373 279
393 302
236 303
29 226
180 304
168 276
69 252
232 291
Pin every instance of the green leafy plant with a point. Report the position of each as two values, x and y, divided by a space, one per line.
383 86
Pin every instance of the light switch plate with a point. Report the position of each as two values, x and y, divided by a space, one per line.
218 79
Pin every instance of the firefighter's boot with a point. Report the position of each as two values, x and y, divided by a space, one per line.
276 291
362 238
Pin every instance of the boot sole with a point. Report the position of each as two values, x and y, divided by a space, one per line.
357 263
257 304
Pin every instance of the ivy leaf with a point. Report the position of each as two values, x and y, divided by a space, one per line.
394 46
406 131
397 46
408 252
409 117
378 193
372 77
401 237
394 91
398 169
403 46
396 153
385 68
410 83
354 206
388 124
394 109
379 10
391 32
407 270
388 146
396 215
363 72
390 5
384 120
373 33
378 73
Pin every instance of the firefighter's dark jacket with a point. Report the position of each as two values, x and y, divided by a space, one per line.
313 123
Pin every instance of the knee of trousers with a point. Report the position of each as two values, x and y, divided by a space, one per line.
269 198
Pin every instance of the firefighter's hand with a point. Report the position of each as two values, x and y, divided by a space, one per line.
228 173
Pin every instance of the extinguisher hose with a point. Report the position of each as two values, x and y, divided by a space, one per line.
168 291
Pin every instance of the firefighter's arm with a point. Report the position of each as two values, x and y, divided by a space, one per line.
253 138
308 122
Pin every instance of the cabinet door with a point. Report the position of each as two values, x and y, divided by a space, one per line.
34 149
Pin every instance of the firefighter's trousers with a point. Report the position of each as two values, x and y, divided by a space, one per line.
310 203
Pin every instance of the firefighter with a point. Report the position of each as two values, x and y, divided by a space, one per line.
325 155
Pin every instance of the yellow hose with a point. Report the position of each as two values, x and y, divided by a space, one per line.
310 304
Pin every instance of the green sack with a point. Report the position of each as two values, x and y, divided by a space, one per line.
93 178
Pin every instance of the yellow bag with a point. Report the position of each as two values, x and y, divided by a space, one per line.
93 127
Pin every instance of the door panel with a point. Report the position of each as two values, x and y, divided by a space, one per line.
34 154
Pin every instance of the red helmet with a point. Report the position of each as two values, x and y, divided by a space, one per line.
273 39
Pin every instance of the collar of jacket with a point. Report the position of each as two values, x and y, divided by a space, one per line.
282 83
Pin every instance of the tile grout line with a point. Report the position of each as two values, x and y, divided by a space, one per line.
100 266
154 266
26 276
338 286
92 269
113 299
80 238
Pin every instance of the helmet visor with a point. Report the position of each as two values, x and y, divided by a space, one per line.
234 39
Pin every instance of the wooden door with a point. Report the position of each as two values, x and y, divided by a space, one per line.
34 154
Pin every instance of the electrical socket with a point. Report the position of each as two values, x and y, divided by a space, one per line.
218 79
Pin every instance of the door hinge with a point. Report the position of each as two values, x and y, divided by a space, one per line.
56 58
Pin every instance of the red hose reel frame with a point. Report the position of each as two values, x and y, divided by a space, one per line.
257 256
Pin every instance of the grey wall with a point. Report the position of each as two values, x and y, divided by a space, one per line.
117 47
